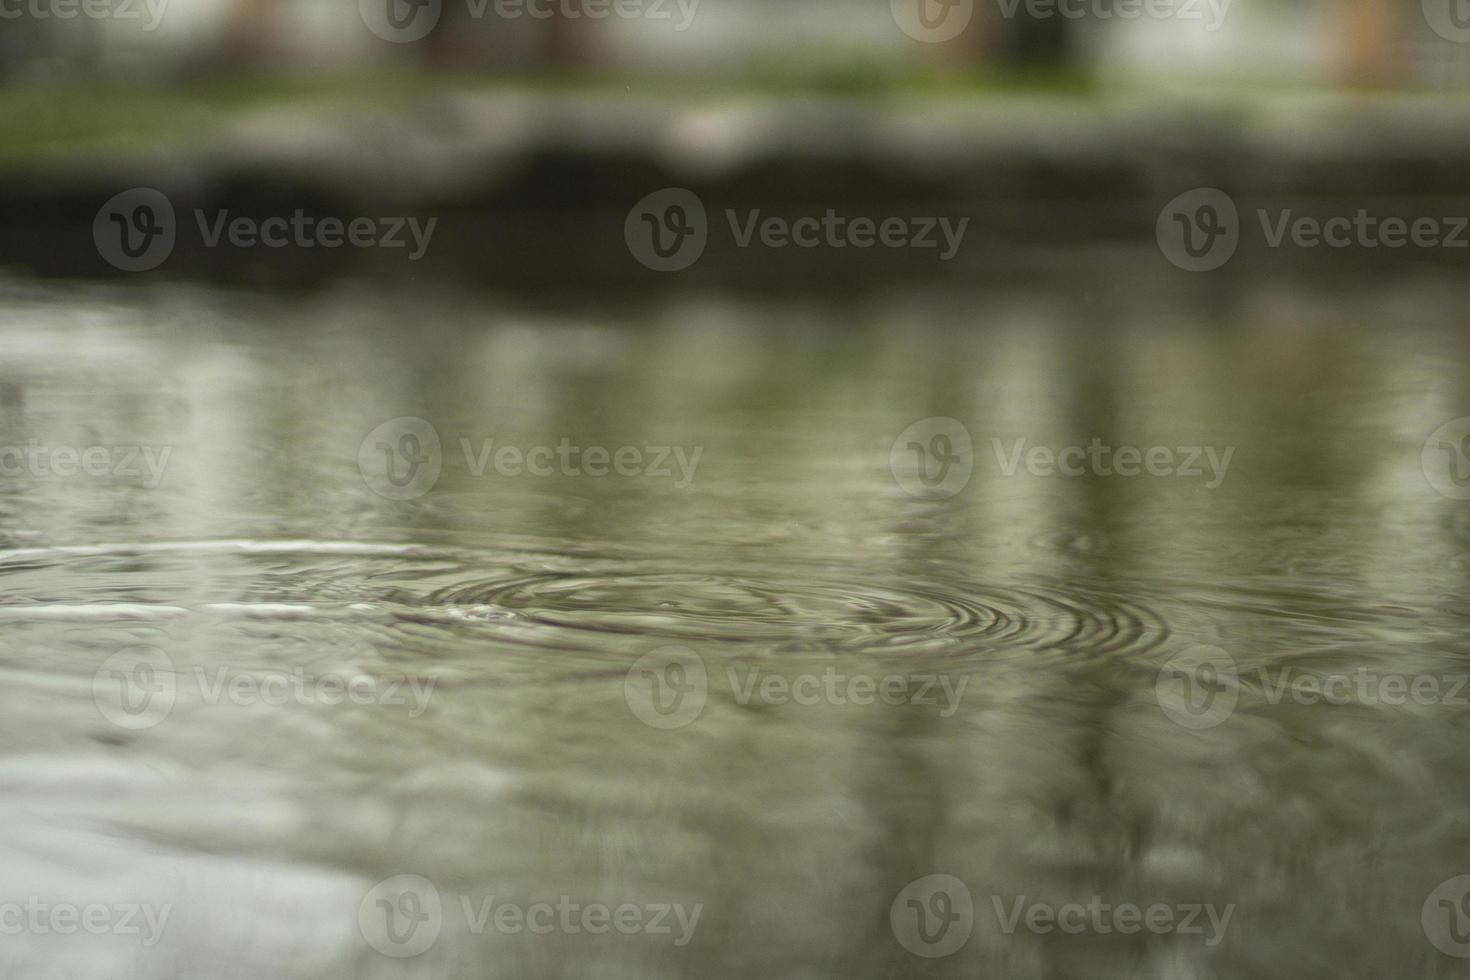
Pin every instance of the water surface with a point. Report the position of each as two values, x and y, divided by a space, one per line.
662 686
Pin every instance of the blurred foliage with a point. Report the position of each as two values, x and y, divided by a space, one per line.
65 120
41 120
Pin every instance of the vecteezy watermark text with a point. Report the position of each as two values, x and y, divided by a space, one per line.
1201 229
137 230
669 687
137 687
41 918
835 687
933 916
403 458
44 461
1102 917
934 458
1100 459
403 916
668 231
1201 687
119 10
938 21
1211 13
406 21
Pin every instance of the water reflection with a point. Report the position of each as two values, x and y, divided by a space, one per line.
332 686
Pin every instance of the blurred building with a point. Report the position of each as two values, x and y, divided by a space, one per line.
1363 41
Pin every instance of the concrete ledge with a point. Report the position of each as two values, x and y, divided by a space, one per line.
534 187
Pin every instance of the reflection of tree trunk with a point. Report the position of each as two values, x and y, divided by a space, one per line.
28 41
568 44
444 48
1041 43
52 48
20 42
250 32
1016 43
1369 45
557 42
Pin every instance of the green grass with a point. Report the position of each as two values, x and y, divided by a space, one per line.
45 123
41 121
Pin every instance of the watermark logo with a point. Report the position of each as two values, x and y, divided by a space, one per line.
837 231
933 916
1445 459
667 688
135 688
1103 917
933 458
1198 688
1210 12
135 230
41 918
52 461
1446 917
1100 459
1450 19
834 687
405 21
120 10
138 687
667 231
401 916
653 10
933 21
401 459
401 21
1199 230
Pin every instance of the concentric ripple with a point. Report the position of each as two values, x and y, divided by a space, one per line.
550 598
815 609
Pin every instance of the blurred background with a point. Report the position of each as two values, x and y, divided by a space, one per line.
828 43
279 394
530 127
